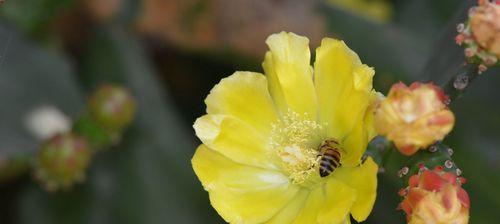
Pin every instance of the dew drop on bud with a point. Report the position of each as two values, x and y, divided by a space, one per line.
472 10
461 82
447 101
460 27
450 151
403 171
448 164
469 52
490 60
459 172
482 68
433 148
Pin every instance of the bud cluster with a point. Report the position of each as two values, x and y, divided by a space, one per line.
417 117
63 159
480 35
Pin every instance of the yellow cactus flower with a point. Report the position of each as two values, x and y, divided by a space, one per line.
435 197
260 161
414 117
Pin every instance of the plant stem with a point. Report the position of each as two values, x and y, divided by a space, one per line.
458 84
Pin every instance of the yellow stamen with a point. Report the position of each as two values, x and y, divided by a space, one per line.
295 138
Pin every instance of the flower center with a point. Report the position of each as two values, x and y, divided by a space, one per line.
295 139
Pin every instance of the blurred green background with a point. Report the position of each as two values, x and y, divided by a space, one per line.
170 53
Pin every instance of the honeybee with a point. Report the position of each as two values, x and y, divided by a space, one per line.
329 153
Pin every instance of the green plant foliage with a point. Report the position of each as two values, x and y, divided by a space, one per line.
145 179
33 16
30 78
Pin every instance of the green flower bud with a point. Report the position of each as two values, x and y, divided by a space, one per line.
112 107
62 161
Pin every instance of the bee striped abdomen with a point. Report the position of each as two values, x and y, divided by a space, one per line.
330 157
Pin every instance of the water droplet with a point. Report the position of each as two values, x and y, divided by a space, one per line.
461 82
460 27
403 171
490 60
448 164
447 101
450 151
433 148
469 52
482 68
459 172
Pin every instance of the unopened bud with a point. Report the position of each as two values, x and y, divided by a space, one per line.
435 196
112 107
62 161
485 26
414 117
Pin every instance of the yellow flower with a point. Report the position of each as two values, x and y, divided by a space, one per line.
414 117
259 158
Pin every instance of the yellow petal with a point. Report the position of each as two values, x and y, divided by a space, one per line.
273 82
343 87
364 180
339 199
234 139
290 74
314 203
244 95
241 193
347 220
354 146
369 121
356 142
290 212
330 203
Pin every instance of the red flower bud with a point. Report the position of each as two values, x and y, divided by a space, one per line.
435 196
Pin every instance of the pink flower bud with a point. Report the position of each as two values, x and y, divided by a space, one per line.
485 26
414 117
435 196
